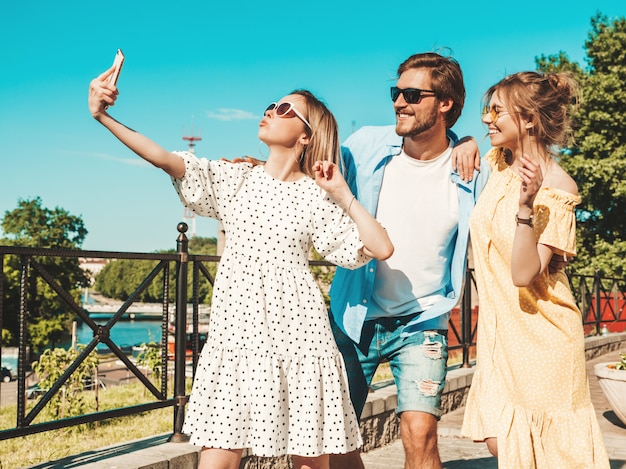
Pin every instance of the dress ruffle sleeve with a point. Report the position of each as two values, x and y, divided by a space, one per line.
208 186
555 219
336 236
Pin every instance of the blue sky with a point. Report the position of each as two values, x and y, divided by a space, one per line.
211 69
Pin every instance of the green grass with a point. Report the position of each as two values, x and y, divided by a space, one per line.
383 373
55 444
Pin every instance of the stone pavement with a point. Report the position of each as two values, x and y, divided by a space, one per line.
461 453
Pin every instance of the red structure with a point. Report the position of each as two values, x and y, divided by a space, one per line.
192 141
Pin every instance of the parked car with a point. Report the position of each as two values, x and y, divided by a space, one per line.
34 391
7 375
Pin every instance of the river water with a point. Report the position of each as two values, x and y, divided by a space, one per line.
124 333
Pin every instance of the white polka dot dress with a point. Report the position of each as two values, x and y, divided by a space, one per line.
530 388
270 377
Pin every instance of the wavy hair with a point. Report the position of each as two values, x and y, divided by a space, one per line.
545 99
324 142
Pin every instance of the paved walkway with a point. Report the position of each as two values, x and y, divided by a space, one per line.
461 453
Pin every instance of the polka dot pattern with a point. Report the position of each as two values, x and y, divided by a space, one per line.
530 388
270 377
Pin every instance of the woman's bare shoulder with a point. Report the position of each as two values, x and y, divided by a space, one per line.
557 178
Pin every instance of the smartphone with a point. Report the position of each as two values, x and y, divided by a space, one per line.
118 62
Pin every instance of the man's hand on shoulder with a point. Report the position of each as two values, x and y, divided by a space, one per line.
466 157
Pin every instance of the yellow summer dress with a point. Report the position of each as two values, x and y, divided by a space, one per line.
530 388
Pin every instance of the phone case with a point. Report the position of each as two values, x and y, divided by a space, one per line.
118 62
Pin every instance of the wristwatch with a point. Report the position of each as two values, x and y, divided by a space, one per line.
524 221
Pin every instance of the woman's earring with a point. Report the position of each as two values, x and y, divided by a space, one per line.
260 152
299 158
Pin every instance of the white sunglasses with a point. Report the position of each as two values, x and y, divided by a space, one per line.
287 109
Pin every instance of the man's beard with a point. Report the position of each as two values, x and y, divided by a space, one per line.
420 123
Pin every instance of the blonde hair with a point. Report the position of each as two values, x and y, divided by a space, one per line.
544 99
324 142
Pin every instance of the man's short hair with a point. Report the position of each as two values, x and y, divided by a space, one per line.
446 77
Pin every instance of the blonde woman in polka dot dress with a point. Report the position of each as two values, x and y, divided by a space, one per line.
529 398
270 377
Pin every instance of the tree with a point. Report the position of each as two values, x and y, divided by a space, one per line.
597 157
120 278
31 225
150 357
69 401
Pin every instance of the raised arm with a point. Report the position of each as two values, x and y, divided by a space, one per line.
376 242
102 94
529 259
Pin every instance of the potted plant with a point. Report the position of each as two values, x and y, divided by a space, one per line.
612 380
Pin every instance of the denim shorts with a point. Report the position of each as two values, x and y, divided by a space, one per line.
418 363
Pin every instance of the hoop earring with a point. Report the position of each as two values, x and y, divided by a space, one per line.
299 158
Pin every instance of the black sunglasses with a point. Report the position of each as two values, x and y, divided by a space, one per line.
411 95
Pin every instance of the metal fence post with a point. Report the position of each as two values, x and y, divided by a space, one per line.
597 291
25 265
182 249
466 319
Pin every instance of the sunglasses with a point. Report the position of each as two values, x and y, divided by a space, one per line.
494 113
411 95
287 109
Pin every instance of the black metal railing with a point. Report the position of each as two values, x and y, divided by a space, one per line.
601 300
30 266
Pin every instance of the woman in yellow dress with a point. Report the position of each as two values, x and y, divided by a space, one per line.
529 399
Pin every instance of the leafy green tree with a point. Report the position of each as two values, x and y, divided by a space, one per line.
596 159
52 363
7 337
121 277
150 357
201 245
32 225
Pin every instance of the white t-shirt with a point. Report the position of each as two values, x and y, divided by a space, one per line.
419 207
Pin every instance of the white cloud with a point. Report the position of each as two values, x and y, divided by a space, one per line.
226 114
105 156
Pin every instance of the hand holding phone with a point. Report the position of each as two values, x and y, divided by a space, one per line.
117 63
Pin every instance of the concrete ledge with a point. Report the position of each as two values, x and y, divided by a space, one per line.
379 427
600 345
148 453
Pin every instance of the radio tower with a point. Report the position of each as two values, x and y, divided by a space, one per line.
188 215
192 141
